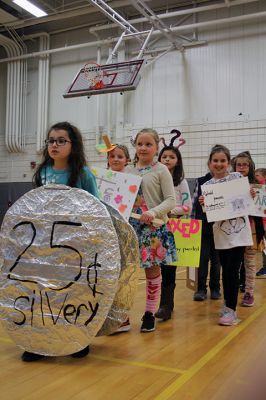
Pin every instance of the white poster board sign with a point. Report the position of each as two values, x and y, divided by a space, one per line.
259 201
227 200
117 189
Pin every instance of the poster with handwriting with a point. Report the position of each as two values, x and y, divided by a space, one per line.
259 201
227 200
117 189
187 235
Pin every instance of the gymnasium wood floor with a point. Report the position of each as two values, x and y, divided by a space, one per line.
189 357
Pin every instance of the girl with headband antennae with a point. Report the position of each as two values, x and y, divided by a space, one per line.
171 157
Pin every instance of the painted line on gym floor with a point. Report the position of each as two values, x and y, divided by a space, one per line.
121 361
196 367
125 362
5 340
138 364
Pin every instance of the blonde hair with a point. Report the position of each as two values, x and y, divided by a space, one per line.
154 134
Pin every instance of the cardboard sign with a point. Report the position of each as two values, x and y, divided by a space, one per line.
227 200
187 235
192 279
118 189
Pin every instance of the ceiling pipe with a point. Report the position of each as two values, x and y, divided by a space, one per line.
184 28
86 10
178 13
187 13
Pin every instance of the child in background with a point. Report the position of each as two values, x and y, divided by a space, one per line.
117 160
208 251
171 157
155 199
64 162
244 164
260 175
230 236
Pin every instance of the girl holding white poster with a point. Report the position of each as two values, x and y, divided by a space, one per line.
244 164
230 236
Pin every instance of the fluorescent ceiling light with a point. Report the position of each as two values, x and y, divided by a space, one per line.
31 8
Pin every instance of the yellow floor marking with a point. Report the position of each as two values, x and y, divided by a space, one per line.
5 340
125 362
138 364
180 381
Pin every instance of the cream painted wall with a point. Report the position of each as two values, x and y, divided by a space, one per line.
213 94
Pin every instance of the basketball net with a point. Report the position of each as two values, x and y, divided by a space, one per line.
94 75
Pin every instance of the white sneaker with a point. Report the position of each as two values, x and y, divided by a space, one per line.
228 318
124 327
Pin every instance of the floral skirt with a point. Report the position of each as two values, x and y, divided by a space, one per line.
154 244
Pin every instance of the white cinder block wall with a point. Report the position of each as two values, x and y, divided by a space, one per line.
213 94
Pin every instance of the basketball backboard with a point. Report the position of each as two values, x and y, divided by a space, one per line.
98 79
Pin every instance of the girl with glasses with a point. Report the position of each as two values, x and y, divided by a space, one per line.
63 163
64 160
244 164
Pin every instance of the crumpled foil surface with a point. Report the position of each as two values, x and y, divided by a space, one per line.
60 272
130 265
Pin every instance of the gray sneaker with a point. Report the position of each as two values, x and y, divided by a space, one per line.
200 295
215 295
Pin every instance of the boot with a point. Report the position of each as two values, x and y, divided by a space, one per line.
166 303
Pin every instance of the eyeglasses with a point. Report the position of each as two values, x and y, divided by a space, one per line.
58 141
244 165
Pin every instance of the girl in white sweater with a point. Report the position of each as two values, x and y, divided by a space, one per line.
155 199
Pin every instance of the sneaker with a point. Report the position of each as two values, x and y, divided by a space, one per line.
222 310
82 353
248 300
242 287
28 356
228 318
148 322
124 327
261 272
200 295
215 295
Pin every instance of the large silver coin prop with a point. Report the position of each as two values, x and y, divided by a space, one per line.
130 265
61 265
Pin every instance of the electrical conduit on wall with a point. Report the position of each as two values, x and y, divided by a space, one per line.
43 92
15 97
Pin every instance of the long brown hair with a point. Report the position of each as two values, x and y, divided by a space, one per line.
251 169
76 159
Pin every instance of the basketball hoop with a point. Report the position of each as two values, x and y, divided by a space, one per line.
94 75
93 78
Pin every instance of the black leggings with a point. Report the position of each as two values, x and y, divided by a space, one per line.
168 275
231 260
